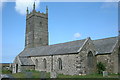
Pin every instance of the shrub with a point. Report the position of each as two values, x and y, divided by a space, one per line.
100 67
6 71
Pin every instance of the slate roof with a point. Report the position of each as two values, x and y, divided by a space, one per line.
26 61
105 45
62 48
102 46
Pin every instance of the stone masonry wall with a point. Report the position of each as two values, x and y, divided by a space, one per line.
36 29
41 63
16 66
83 58
23 68
72 64
110 61
107 61
68 63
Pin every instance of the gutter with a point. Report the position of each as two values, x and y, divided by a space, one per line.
103 53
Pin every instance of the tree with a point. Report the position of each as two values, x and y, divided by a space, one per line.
100 67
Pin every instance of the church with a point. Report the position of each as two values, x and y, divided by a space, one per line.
70 58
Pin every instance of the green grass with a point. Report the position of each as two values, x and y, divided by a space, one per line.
88 76
6 72
37 74
18 75
34 74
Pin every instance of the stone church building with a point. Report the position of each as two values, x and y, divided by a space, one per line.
70 58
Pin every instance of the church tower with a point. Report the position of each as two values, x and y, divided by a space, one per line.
36 28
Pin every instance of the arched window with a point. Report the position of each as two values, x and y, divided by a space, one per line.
45 63
60 64
90 59
36 63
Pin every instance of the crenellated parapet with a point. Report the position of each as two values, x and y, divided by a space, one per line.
36 13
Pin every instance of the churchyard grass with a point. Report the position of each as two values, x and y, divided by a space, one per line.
18 75
37 74
5 71
30 74
88 76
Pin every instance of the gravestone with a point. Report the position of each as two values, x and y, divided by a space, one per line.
28 74
53 74
105 73
43 74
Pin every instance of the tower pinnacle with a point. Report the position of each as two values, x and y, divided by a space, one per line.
34 6
27 11
46 9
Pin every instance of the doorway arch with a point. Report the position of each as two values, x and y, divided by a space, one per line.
16 68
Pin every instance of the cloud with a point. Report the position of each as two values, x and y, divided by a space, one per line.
77 35
21 5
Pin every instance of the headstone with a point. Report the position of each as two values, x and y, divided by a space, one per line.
28 74
53 74
105 73
43 74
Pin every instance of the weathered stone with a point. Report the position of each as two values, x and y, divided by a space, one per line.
36 30
53 74
105 73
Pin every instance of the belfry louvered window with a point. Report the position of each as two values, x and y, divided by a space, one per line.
40 24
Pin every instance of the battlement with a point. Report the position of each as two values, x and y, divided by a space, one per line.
38 14
34 12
